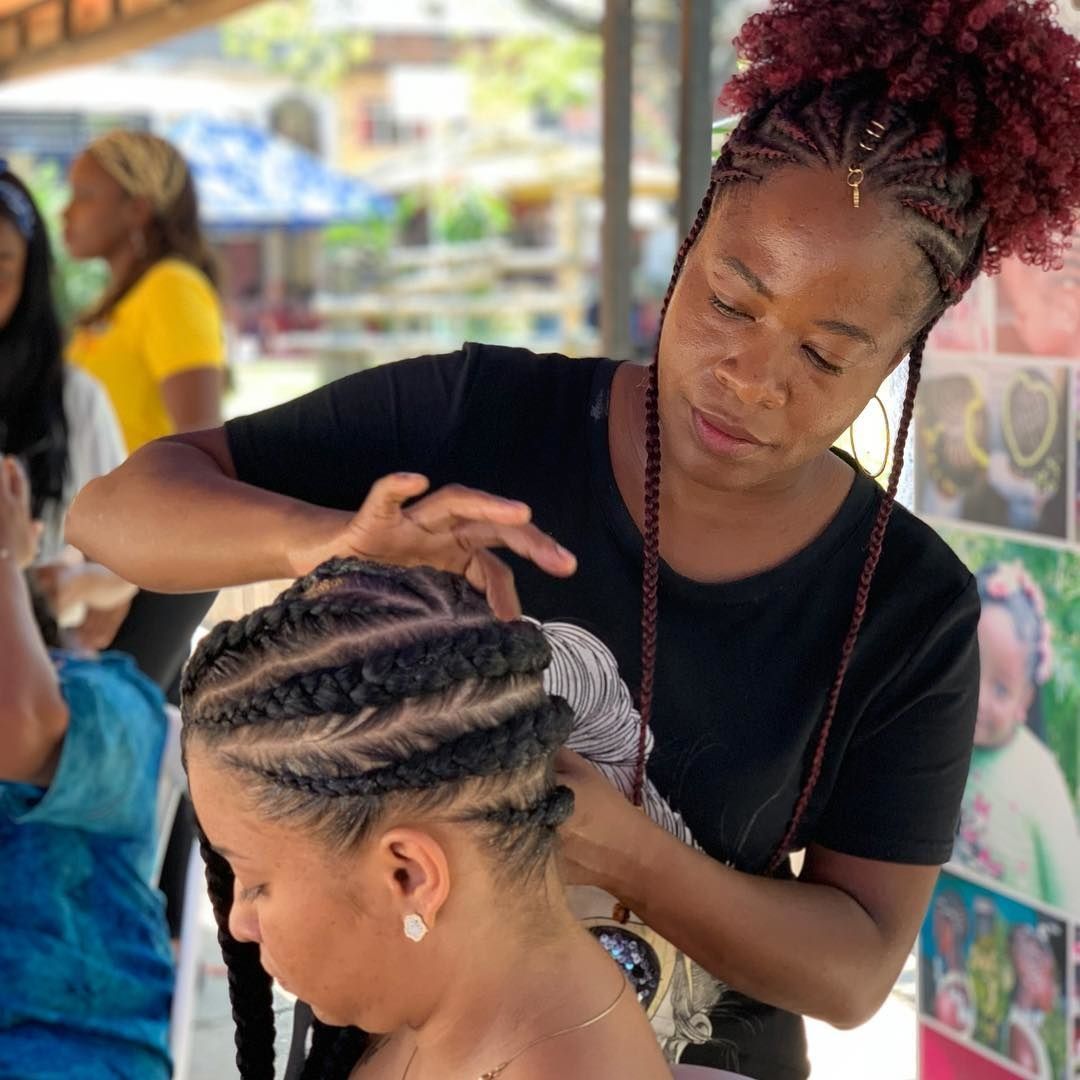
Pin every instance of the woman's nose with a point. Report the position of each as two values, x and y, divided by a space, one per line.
243 919
755 376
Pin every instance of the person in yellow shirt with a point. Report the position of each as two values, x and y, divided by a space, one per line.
155 340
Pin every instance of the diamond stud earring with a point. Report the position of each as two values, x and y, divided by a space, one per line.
415 927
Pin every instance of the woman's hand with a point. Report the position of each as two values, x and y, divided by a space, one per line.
452 529
68 583
603 842
19 533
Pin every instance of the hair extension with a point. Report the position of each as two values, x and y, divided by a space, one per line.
250 991
976 138
360 689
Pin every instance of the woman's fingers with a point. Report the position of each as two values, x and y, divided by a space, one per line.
388 494
452 505
487 573
525 540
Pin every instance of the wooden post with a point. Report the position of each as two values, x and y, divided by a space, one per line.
616 246
695 108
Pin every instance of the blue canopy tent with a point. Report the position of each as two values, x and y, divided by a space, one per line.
249 179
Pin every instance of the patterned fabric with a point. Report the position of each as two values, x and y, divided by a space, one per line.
85 960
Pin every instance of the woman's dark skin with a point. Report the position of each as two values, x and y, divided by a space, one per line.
791 310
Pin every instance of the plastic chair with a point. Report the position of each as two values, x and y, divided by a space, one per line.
185 991
172 784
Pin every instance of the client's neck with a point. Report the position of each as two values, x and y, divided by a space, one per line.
512 983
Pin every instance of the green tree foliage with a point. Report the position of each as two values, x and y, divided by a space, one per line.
283 37
546 74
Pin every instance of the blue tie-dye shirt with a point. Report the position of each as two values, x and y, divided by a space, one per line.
85 962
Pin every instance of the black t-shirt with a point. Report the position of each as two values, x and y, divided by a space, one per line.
743 669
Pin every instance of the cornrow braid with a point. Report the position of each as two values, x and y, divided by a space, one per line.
519 741
862 596
423 666
548 812
250 992
818 126
365 690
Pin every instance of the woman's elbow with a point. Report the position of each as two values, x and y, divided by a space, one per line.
86 513
855 1003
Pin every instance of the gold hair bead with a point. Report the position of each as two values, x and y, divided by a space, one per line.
855 177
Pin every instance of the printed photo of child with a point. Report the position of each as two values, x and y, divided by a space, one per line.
1018 822
969 326
1039 314
992 976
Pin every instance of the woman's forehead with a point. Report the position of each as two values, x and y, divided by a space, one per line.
799 232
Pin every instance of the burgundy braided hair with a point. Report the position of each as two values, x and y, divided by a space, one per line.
947 91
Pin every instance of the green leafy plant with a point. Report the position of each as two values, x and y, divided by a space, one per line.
462 216
283 37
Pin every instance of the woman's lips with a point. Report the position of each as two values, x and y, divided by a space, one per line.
724 438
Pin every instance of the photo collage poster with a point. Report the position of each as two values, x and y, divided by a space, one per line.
995 446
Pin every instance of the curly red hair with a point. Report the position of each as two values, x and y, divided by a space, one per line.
967 114
1000 79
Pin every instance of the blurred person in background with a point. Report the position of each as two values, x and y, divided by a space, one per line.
84 948
156 341
54 417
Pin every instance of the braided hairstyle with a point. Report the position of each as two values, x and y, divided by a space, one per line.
362 691
965 113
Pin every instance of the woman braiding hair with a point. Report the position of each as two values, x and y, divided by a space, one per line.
372 764
803 652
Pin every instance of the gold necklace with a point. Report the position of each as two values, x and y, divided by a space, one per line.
491 1074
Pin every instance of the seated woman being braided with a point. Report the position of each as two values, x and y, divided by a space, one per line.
371 763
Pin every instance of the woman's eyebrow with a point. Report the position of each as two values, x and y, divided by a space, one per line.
832 326
748 275
838 326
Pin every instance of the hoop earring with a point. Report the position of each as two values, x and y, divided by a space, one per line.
888 441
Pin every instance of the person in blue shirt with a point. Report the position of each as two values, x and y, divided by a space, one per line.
85 962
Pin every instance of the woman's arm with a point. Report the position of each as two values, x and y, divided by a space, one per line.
829 944
33 714
193 398
174 518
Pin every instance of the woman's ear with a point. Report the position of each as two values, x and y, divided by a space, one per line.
140 211
415 870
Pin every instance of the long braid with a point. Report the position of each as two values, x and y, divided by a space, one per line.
650 563
862 595
250 991
945 220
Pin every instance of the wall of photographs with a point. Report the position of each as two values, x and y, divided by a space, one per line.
996 448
